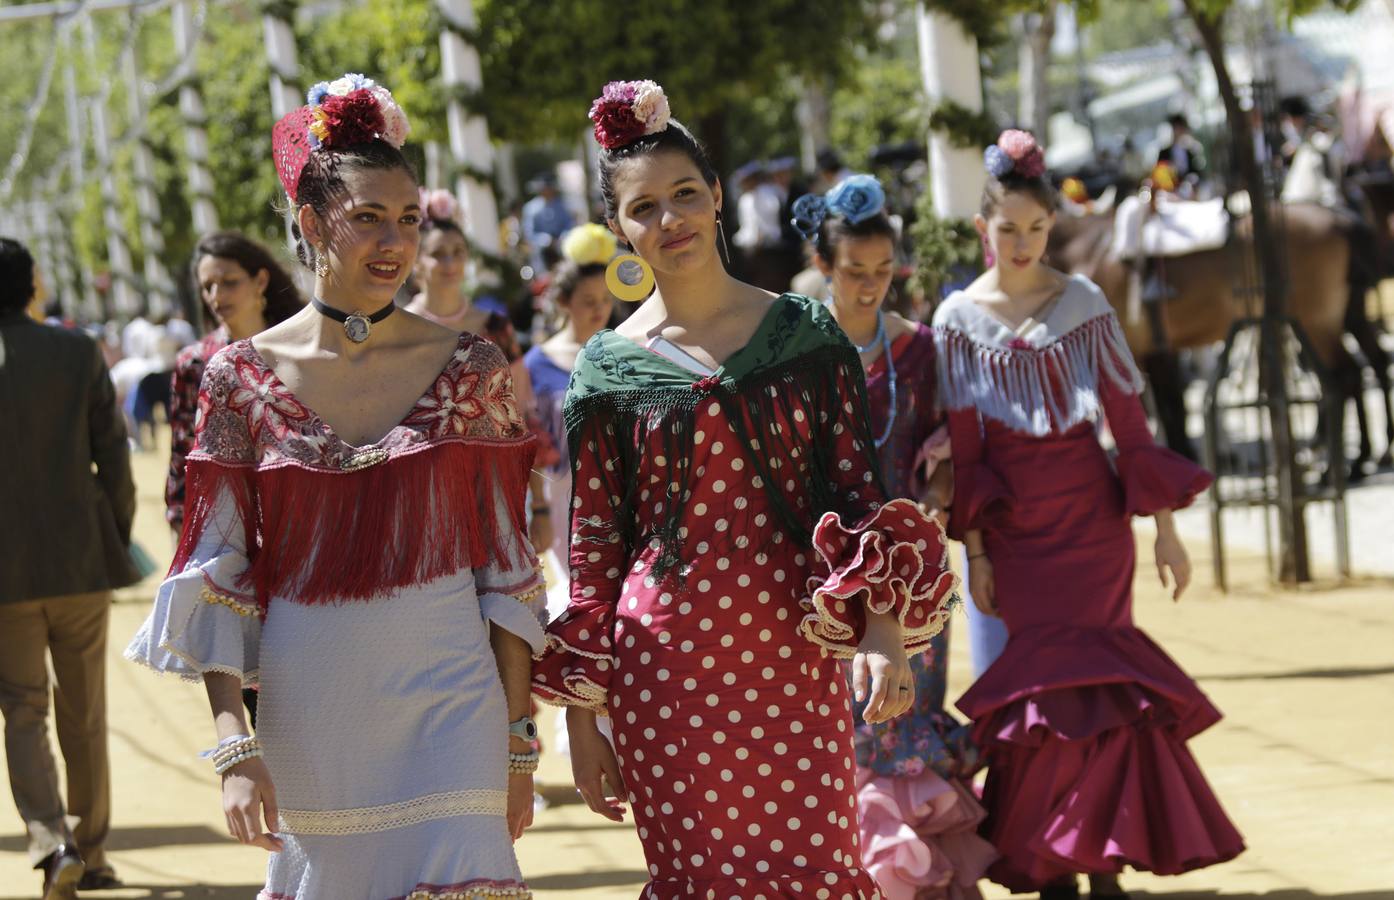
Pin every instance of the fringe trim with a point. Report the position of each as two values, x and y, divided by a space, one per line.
1037 390
328 536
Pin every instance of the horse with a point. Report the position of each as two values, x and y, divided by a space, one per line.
1204 303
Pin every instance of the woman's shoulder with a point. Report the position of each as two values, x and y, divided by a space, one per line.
952 310
1080 301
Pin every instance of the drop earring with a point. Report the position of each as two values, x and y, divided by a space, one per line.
322 261
721 233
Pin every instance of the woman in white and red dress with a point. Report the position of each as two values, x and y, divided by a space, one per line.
245 290
1083 719
355 543
731 542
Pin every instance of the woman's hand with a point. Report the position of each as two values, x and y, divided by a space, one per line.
881 660
1171 555
982 583
540 529
248 795
520 804
593 759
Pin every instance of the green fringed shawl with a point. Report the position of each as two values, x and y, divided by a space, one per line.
632 402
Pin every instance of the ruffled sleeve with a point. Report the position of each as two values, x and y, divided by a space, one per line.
981 499
205 618
1154 478
888 558
894 561
576 666
512 592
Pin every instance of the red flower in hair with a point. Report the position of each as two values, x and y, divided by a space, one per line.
1032 165
615 122
354 118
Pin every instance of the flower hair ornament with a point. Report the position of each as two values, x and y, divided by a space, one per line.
589 245
350 110
438 205
1015 153
628 110
855 198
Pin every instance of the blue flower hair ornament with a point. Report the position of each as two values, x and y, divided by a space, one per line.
855 198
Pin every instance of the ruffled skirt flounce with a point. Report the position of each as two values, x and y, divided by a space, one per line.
1085 735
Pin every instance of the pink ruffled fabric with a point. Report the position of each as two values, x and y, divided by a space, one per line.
897 559
919 837
1154 478
575 667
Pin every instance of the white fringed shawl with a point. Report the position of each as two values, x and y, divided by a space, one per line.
1047 387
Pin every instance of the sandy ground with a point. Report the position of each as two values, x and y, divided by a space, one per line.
1304 760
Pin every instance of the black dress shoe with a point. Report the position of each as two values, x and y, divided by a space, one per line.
1063 891
63 869
103 879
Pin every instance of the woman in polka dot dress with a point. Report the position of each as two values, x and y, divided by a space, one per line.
730 543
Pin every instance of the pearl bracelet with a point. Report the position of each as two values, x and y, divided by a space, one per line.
522 763
225 764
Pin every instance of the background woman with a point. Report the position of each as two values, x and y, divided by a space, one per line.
918 815
724 483
245 290
354 543
578 292
440 274
1083 718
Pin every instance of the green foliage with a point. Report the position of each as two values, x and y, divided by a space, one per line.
940 247
709 57
881 101
965 128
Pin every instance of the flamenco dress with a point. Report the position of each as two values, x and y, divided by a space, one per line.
357 586
1083 719
918 815
725 530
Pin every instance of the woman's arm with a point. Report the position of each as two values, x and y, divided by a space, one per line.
513 657
248 794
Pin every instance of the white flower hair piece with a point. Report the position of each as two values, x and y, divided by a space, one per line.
651 106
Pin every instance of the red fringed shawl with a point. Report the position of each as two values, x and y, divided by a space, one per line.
325 521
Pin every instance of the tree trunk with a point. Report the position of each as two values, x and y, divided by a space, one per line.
1033 107
1292 532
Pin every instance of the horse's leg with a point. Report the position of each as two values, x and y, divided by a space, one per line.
1348 387
1363 330
1169 390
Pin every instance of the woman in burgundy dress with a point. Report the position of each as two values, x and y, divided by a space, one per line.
246 291
731 542
918 815
1084 720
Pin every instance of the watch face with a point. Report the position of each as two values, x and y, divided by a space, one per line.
357 328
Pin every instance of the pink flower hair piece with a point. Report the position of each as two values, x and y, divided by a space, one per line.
1027 158
626 111
439 205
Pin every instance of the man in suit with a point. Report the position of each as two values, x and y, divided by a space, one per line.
1185 153
68 500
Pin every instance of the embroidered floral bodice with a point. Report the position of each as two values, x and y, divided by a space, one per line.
248 415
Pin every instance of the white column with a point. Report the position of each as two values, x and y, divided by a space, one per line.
469 135
200 182
159 290
124 297
950 69
283 60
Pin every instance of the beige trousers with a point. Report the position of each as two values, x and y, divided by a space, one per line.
73 631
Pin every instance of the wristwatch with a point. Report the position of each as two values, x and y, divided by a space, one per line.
525 728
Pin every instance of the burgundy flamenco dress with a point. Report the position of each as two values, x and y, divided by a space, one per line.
728 533
1083 719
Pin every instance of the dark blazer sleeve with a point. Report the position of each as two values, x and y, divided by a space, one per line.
110 452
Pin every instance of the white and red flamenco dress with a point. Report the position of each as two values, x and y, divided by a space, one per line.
357 586
1083 719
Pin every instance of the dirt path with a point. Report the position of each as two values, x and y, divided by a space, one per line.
1304 760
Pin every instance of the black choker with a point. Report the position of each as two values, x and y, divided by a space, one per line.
356 325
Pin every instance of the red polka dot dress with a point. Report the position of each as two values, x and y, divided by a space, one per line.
727 536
